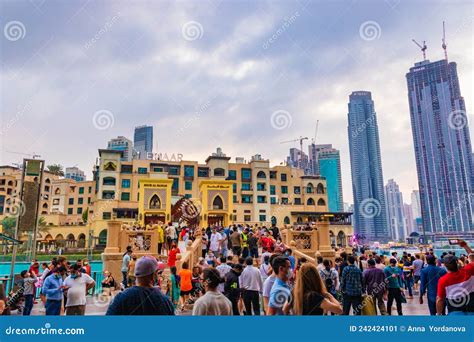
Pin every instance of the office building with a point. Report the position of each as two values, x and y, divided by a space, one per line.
143 141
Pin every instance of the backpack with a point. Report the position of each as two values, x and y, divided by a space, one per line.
328 281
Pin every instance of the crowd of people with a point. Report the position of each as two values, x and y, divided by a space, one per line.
246 270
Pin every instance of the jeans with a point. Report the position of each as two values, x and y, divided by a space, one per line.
394 294
408 285
378 302
53 307
28 305
124 279
432 306
354 301
251 299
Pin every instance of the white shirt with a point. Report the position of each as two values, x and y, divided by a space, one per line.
212 304
251 279
215 239
264 271
76 294
223 269
171 232
267 285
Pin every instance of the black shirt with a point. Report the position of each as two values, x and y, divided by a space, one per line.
138 300
311 304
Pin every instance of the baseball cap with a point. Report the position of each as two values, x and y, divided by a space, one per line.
146 265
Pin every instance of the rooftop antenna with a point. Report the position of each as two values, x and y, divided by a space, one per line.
422 47
444 46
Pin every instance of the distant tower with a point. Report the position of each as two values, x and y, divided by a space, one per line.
143 141
370 218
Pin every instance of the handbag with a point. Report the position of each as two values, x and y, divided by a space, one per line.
403 299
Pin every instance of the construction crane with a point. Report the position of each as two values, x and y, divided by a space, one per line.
33 156
422 47
316 132
300 139
444 46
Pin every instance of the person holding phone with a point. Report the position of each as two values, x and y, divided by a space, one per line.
53 289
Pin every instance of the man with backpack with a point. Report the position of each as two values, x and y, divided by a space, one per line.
330 277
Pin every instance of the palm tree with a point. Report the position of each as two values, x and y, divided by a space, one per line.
56 169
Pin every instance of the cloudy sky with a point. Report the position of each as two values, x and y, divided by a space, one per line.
242 75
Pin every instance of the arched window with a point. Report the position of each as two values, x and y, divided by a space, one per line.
310 201
261 174
219 172
217 203
10 183
286 220
341 239
299 219
274 220
81 241
309 188
45 205
57 191
103 238
320 188
108 181
155 202
321 202
47 181
70 237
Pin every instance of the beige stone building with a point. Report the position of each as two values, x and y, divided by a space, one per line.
146 191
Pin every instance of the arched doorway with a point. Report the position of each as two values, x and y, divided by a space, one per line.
103 238
286 220
341 239
81 241
274 221
155 202
218 203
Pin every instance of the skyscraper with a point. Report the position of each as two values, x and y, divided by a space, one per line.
329 163
122 144
370 218
75 173
313 153
143 141
298 159
409 221
443 150
395 211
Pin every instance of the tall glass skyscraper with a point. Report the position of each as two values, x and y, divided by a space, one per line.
442 147
143 141
395 211
370 216
329 163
